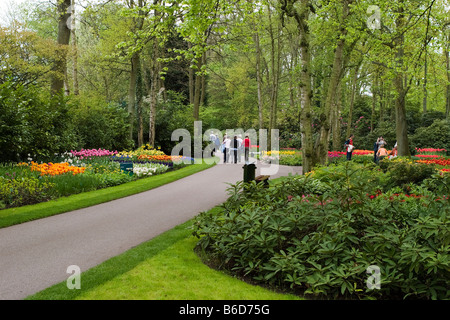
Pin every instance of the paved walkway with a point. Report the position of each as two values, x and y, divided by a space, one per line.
35 255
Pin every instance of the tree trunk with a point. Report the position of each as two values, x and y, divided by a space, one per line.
76 87
401 90
153 104
335 77
301 16
259 81
425 91
191 80
203 82
352 99
382 101
139 106
374 102
197 92
309 159
447 59
336 128
155 69
135 61
57 82
196 88
275 57
66 83
138 23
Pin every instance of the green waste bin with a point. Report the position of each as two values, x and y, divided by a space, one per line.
127 167
249 172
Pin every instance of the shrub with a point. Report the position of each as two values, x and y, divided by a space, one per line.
437 135
101 125
322 245
403 171
24 191
32 122
291 160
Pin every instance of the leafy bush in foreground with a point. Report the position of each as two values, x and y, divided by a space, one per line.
322 245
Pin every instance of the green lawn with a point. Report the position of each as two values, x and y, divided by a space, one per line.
12 216
164 268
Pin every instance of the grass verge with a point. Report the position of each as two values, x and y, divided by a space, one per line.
12 216
164 268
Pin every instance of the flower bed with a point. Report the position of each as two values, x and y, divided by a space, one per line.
439 161
89 153
55 169
149 169
428 156
431 151
79 171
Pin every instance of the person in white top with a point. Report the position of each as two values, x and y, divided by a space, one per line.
212 138
240 148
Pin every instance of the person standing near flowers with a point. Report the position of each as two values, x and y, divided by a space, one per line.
376 145
349 147
381 153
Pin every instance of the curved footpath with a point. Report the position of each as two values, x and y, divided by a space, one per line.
35 255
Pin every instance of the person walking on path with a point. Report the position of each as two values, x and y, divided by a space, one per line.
349 147
240 148
246 148
234 148
226 149
212 138
217 143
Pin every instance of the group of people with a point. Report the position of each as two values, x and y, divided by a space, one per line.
232 149
380 152
379 149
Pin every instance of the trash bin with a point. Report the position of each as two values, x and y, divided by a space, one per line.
127 167
249 172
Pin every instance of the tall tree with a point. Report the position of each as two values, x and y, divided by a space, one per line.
138 17
446 49
335 78
300 11
63 40
76 87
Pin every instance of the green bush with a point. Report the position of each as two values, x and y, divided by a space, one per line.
322 245
24 191
291 160
404 171
386 129
101 125
32 122
437 135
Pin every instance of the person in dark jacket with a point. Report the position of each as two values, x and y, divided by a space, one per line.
375 149
235 147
